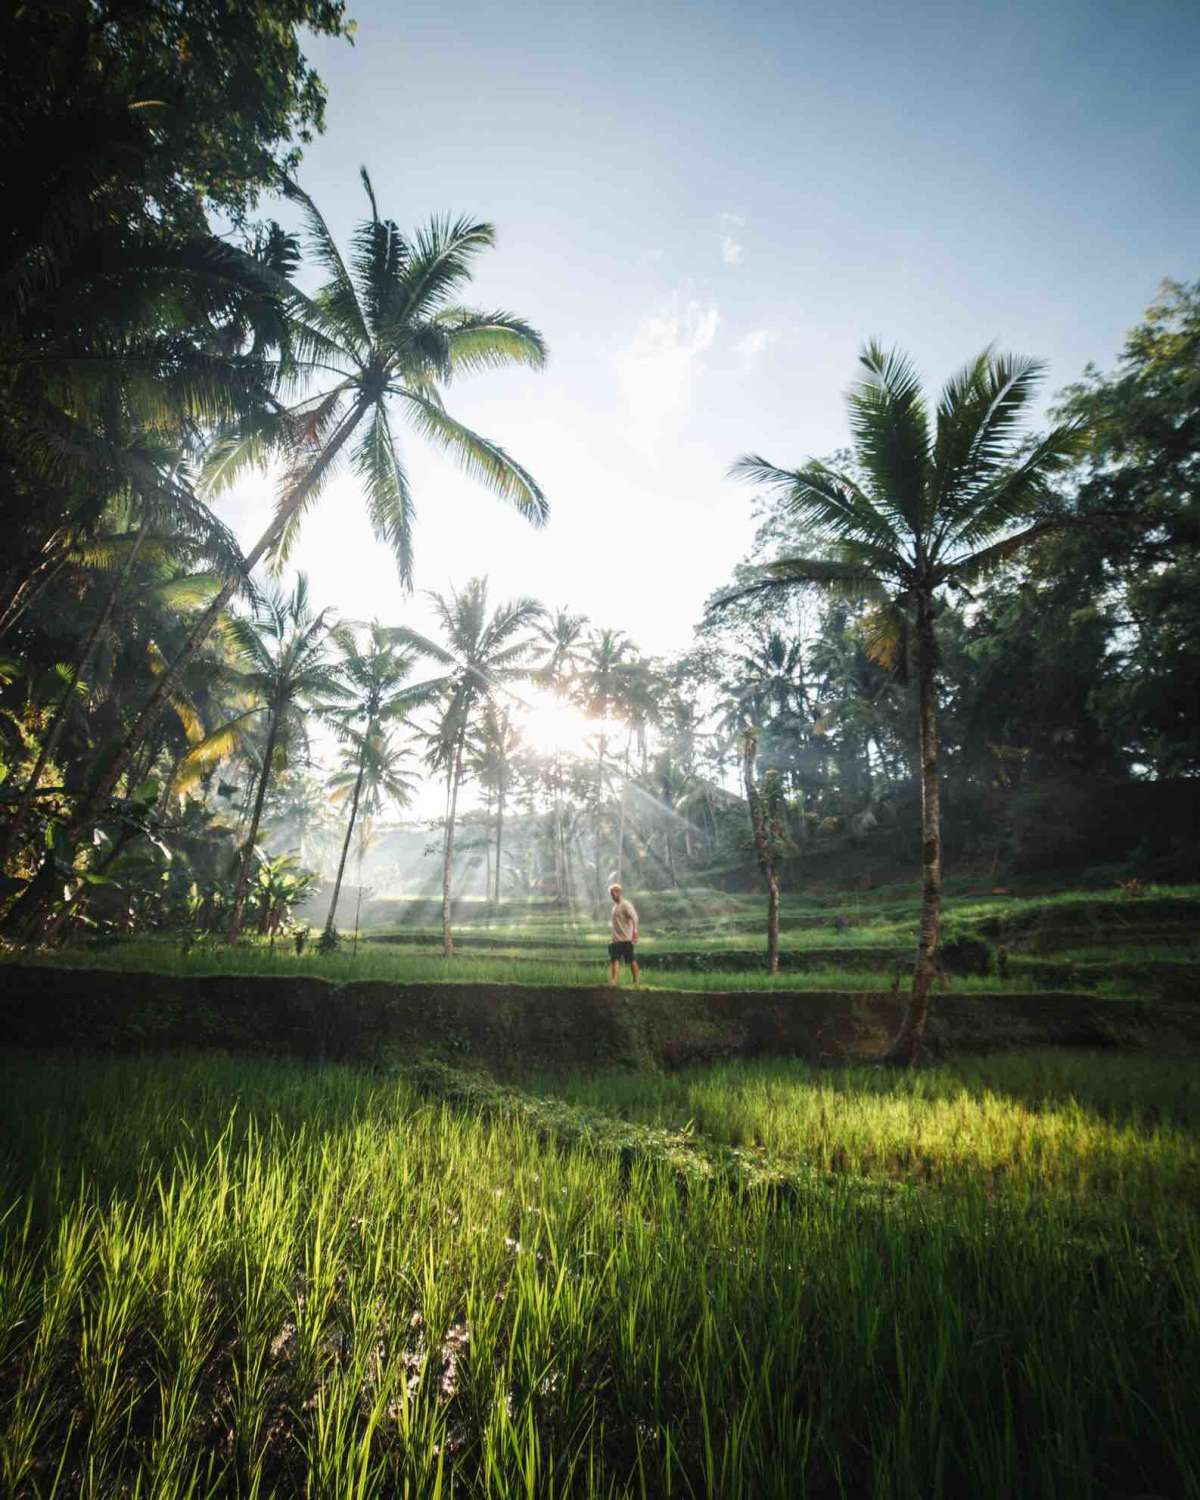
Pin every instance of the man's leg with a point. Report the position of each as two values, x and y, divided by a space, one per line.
614 971
634 970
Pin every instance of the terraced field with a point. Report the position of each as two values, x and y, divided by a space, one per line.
1106 944
753 1277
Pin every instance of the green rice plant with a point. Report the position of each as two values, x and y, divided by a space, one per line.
1070 1124
321 1281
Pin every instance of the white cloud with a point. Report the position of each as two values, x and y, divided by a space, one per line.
732 249
753 345
658 369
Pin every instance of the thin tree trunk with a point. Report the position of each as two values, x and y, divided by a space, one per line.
358 902
243 885
499 830
29 588
764 847
451 812
560 850
598 893
621 829
58 721
910 1037
487 847
337 884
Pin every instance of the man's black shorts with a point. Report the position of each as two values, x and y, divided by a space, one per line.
621 953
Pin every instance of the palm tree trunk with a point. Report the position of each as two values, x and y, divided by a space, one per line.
621 829
341 869
58 720
560 850
487 847
763 847
31 584
499 831
448 862
243 885
910 1037
598 893
358 900
170 679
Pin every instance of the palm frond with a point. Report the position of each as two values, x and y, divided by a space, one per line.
1015 491
218 745
978 416
891 435
189 592
849 579
380 257
337 300
479 457
488 341
440 264
987 559
828 499
389 500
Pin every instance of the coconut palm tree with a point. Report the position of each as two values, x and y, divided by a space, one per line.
286 667
641 691
601 684
498 742
373 774
375 676
563 648
386 334
943 497
482 652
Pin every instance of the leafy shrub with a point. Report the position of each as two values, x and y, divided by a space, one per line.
966 953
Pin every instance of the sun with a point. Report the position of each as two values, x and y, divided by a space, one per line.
550 723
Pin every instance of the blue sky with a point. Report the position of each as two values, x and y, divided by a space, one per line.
707 208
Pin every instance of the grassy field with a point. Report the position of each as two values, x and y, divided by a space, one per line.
401 965
1098 938
1044 1123
221 1278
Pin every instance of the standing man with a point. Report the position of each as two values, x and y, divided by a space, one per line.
624 936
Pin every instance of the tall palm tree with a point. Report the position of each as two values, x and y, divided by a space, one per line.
286 666
387 333
943 497
605 671
641 691
373 774
562 635
482 652
767 690
375 675
498 742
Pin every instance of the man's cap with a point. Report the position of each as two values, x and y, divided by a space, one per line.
613 887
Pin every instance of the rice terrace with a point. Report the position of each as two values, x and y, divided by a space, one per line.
685 981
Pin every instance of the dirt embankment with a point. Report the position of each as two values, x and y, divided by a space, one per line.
515 1025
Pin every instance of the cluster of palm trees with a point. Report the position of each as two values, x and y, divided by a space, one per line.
235 366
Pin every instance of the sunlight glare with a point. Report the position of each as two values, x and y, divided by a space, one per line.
551 723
